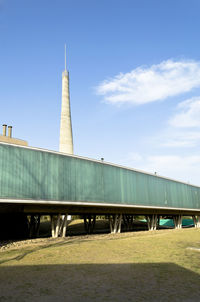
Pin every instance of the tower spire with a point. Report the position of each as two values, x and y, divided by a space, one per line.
65 58
66 137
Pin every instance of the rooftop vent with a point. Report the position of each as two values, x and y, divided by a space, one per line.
10 131
4 129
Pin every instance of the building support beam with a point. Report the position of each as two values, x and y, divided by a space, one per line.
128 221
59 225
177 221
65 224
33 226
196 220
89 223
115 223
152 222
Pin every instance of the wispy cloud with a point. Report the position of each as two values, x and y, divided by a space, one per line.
149 84
180 138
184 125
188 115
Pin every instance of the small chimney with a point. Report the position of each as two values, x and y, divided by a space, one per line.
10 131
4 129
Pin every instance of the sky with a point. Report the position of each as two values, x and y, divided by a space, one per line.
134 69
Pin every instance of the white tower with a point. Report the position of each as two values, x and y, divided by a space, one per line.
66 139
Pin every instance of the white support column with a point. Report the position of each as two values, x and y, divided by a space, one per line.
152 221
65 221
148 222
128 220
158 221
115 223
52 226
111 223
33 225
89 223
177 221
180 222
119 223
59 225
196 220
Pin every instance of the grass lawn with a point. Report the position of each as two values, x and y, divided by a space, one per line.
163 265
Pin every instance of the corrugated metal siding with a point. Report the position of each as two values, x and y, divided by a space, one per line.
35 174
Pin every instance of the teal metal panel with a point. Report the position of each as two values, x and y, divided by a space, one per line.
26 173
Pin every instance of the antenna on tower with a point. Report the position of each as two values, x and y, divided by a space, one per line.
65 59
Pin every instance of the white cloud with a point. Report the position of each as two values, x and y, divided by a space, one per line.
180 138
158 82
184 126
188 115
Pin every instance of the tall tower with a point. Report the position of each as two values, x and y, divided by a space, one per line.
66 139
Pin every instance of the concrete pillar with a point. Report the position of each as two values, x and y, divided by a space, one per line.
152 222
89 223
33 226
115 223
64 228
59 225
177 221
196 220
128 221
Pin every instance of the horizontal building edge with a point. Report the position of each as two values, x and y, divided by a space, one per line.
110 206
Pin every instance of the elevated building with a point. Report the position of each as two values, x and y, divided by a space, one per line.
47 182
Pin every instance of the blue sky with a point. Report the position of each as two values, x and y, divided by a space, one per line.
134 79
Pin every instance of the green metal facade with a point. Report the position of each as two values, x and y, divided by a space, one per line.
36 174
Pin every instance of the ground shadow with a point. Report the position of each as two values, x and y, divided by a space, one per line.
99 282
